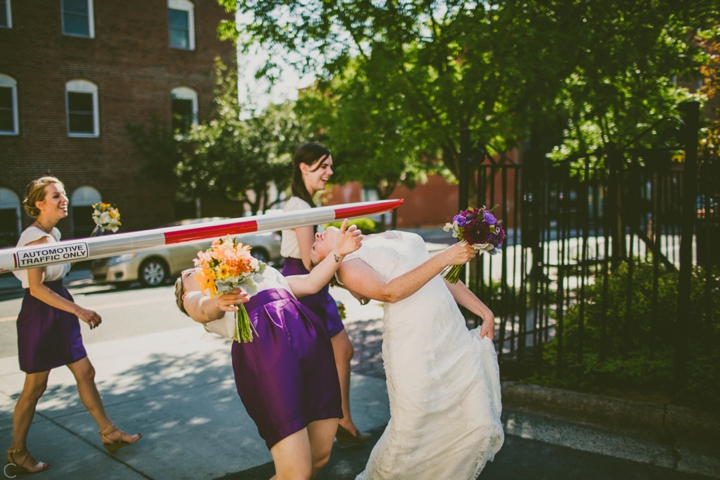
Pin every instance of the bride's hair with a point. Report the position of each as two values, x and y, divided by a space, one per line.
180 294
309 154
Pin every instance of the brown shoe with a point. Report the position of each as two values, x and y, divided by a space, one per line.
344 437
113 446
18 459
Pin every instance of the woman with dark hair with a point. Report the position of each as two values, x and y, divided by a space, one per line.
312 168
49 331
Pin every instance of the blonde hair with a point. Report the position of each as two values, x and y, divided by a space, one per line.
35 192
179 294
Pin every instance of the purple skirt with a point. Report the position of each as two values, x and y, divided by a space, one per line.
47 336
321 303
286 377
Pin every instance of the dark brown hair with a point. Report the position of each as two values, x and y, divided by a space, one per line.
309 154
35 192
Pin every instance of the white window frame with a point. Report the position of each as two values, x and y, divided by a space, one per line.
189 7
6 81
83 86
8 13
187 93
91 21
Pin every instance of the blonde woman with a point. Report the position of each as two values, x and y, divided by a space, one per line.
49 331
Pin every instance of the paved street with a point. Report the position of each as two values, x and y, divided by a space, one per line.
159 373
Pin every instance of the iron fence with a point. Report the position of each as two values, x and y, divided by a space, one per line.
579 229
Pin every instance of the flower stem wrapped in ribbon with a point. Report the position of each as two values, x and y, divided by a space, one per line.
106 218
480 229
226 266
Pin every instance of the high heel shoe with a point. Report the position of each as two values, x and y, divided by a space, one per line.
115 445
16 458
344 437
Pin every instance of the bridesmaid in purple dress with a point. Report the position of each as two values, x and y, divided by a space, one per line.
312 168
286 376
49 332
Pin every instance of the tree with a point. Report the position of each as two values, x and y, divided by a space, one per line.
498 68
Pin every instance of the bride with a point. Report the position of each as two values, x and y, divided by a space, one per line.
443 380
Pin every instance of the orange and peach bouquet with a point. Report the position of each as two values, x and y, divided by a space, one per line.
226 266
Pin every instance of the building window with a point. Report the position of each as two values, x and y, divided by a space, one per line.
82 109
8 106
184 109
9 218
5 14
181 21
81 202
77 18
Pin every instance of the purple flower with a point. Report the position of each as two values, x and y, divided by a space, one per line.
460 220
489 218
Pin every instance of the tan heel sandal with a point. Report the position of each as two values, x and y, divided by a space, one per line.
17 457
115 445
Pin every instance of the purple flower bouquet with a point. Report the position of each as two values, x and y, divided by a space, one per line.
480 229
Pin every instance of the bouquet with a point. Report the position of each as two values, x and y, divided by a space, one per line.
106 218
226 266
480 229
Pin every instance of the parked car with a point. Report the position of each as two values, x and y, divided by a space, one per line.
155 267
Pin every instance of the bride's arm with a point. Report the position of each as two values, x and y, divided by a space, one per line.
362 279
467 299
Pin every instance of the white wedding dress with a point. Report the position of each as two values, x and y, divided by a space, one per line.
443 380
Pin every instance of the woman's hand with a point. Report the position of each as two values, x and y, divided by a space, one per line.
90 317
229 302
459 254
349 239
488 327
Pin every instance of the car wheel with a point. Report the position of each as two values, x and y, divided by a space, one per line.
261 254
152 272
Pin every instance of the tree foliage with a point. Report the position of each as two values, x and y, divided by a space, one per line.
401 77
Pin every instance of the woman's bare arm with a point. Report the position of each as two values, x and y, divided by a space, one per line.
349 240
362 279
467 299
203 309
305 239
36 277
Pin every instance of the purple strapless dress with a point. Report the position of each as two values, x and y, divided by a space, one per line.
47 336
286 377
322 303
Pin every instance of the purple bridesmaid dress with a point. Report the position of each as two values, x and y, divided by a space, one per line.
286 377
322 303
47 336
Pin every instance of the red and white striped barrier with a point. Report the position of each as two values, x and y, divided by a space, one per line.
117 244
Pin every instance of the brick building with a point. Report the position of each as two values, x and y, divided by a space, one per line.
73 74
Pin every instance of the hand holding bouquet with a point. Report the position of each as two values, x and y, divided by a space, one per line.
223 268
106 218
479 228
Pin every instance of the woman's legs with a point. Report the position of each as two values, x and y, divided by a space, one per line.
344 351
303 454
84 374
322 434
33 388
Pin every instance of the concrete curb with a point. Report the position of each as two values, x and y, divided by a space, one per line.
664 421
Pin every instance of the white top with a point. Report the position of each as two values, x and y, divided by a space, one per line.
225 327
52 272
289 247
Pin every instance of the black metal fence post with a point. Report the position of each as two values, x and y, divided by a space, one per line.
464 169
691 113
